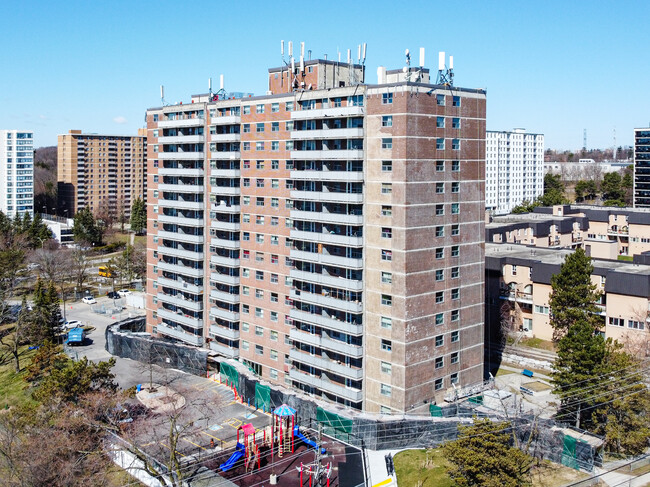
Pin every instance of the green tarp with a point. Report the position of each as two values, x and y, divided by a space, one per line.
334 425
262 397
569 452
476 400
435 411
229 375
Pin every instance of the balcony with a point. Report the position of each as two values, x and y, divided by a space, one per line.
229 190
618 231
329 238
178 220
326 217
181 204
225 137
225 173
187 254
224 278
181 188
327 196
226 120
196 340
328 301
224 208
228 352
354 395
230 226
224 296
311 175
326 322
224 261
225 155
185 122
224 332
181 139
326 155
223 243
335 112
180 284
326 364
179 301
175 171
180 269
331 281
346 133
327 343
516 296
329 259
195 323
224 314
181 237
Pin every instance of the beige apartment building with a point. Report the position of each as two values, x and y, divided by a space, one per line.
604 233
518 284
100 172
329 235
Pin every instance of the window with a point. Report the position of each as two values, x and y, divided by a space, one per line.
273 373
274 316
259 108
245 326
455 208
440 188
437 385
259 350
275 240
274 278
386 255
275 164
259 201
387 98
259 275
246 236
246 146
440 122
259 238
455 314
288 145
244 345
455 229
386 345
386 368
245 309
386 390
455 336
259 146
455 187
440 253
247 110
440 274
288 106
386 232
387 143
275 203
440 231
455 251
440 166
260 183
440 100
274 335
635 325
245 290
440 362
386 300
247 164
455 166
386 166
440 144
275 107
514 270
455 123
453 378
259 257
440 318
275 145
440 210
386 278
259 331
454 358
455 101
616 321
455 144
245 272
440 340
259 164
387 121
386 322
246 182
455 293
440 297
543 310
259 127
386 188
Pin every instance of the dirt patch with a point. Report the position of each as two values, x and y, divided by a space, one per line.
537 386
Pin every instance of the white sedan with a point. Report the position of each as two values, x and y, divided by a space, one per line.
89 300
124 292
69 325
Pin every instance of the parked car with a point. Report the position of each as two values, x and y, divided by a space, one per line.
89 300
69 325
113 295
124 292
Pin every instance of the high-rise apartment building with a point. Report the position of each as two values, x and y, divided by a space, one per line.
16 172
101 172
329 235
642 168
514 169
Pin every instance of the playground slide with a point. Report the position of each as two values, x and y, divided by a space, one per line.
228 464
299 435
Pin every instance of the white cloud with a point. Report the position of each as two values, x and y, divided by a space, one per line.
42 117
120 119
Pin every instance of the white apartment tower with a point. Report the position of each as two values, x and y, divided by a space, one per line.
16 172
514 169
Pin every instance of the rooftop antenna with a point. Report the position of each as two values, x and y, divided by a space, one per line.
615 147
445 73
407 68
282 50
421 66
290 49
162 95
363 63
302 49
219 95
210 86
584 140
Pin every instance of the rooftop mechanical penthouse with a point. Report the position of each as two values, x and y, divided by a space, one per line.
329 235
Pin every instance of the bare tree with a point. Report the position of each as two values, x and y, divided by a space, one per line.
80 263
55 267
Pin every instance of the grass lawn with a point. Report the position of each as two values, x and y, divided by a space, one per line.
422 468
627 258
538 343
126 238
13 388
501 372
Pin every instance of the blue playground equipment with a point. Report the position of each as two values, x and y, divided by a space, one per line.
307 441
239 453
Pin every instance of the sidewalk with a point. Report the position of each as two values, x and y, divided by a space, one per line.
377 469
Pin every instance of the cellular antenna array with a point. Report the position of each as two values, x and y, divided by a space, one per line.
445 73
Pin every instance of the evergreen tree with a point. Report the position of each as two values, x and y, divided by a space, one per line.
46 316
138 216
573 295
483 455
85 228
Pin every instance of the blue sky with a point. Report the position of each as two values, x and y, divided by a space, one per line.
554 67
